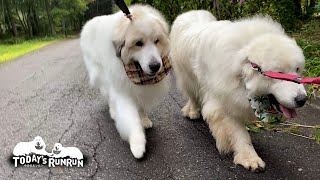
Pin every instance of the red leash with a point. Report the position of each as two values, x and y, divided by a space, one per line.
286 77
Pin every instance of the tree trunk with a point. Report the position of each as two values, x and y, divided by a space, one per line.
306 2
297 12
34 17
11 19
29 22
64 27
50 19
311 7
215 7
7 23
21 20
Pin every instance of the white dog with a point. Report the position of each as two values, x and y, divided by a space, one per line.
109 42
60 152
212 61
37 146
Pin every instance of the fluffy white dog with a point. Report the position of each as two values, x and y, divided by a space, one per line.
212 61
60 152
109 42
37 146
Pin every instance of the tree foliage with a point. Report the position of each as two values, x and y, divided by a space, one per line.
47 17
31 18
287 12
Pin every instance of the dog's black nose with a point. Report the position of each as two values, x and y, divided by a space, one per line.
300 100
154 67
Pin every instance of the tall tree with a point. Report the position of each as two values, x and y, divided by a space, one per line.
311 7
50 19
298 11
10 18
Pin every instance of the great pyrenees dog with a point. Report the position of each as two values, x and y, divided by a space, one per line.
58 151
112 41
212 62
37 146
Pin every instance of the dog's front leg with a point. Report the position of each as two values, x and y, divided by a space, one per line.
126 115
146 122
232 136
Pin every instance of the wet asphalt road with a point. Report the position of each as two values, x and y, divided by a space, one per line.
46 93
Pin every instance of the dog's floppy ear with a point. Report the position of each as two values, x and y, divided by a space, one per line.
118 45
119 34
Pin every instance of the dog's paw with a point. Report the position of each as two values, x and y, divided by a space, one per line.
194 115
250 162
189 112
138 145
138 150
147 123
185 110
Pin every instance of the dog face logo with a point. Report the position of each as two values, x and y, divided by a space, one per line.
59 151
37 146
39 143
56 148
34 154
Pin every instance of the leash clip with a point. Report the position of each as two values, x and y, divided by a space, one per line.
256 67
297 80
124 8
129 16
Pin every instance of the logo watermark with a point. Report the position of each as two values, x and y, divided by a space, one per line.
34 154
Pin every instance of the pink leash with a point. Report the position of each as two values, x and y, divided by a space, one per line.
286 77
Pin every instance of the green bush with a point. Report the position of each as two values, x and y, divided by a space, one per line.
284 11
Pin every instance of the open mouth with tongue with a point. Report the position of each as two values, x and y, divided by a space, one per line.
287 112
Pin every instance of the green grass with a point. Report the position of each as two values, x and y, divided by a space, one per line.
12 48
308 39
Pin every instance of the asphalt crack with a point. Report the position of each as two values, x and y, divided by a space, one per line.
50 175
137 174
95 151
174 99
81 90
42 122
170 171
12 173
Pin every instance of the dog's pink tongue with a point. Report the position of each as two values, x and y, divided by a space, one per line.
288 113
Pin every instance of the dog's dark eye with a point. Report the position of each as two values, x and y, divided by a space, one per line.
298 69
156 41
139 43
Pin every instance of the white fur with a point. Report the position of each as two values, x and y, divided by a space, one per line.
128 103
26 148
72 152
212 64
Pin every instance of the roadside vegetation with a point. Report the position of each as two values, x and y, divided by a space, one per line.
308 38
12 48
31 24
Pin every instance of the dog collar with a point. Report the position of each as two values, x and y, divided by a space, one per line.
286 77
137 76
264 110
